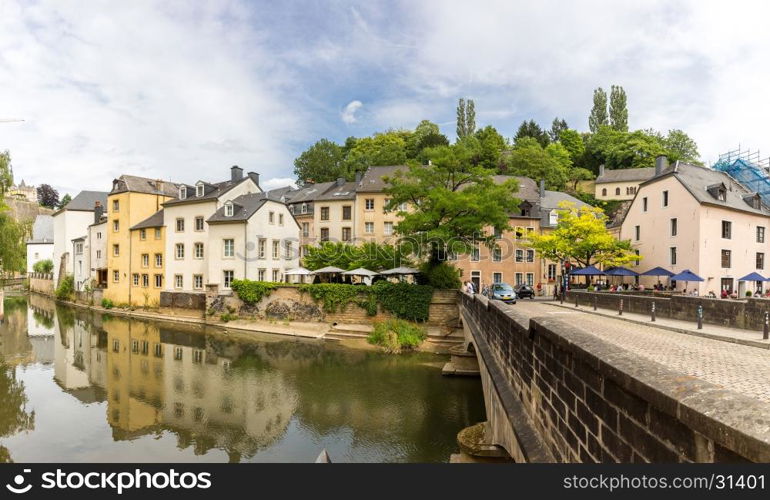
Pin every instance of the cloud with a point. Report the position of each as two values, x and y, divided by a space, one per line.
349 113
277 182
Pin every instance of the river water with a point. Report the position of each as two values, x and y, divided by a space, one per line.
77 386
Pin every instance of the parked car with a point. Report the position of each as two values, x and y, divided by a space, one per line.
504 292
525 291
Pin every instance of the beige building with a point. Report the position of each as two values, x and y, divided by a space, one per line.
334 214
301 203
620 184
373 223
696 218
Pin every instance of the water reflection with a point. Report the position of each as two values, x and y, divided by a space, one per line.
150 391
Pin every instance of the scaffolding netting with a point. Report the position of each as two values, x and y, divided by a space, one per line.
747 168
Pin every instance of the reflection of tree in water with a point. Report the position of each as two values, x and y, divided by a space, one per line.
14 417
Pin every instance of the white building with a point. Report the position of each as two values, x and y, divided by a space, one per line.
187 233
40 247
97 252
81 262
72 222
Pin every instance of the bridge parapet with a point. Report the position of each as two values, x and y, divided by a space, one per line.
554 392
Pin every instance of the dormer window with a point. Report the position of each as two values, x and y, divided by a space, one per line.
753 200
199 189
183 192
304 208
229 209
718 191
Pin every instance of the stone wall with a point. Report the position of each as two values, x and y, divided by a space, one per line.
182 304
735 313
41 283
567 396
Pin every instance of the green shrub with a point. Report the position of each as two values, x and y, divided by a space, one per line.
442 276
748 293
333 296
406 301
225 317
66 288
43 266
251 292
395 335
107 304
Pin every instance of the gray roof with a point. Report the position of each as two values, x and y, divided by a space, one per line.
85 201
136 184
626 175
344 191
42 229
211 192
372 180
309 192
244 207
155 220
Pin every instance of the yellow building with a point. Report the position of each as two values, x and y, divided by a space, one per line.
372 222
132 201
148 240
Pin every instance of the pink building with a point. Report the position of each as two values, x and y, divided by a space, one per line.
696 218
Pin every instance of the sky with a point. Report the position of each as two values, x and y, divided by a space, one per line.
184 90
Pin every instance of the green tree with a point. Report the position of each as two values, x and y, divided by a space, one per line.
618 109
369 255
455 200
462 125
491 145
47 196
426 135
634 150
572 140
387 148
6 173
533 130
679 146
529 159
581 236
558 126
321 162
65 199
598 116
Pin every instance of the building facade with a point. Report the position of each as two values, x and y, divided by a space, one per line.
72 222
620 184
40 246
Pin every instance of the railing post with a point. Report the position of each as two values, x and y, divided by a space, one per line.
700 317
652 312
595 300
576 300
766 330
620 308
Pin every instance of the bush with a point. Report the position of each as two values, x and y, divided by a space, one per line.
395 335
333 296
43 266
251 292
406 301
443 275
748 293
107 304
225 317
66 288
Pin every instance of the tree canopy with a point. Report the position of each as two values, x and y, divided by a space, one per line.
369 255
321 162
47 196
13 254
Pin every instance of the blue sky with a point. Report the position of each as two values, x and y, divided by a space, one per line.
184 90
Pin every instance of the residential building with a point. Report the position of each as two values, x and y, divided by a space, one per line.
97 248
131 201
620 184
148 258
187 232
696 218
81 262
250 237
40 246
334 214
301 203
72 222
373 223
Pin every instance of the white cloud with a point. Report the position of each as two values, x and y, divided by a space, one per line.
348 115
277 182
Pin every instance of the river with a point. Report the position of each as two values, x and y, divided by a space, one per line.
79 386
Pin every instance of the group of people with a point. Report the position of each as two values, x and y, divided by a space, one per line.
469 287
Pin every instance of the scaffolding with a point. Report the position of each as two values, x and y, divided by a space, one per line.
749 169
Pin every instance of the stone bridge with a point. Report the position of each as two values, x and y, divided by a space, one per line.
568 386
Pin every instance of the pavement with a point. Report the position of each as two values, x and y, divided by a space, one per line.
737 367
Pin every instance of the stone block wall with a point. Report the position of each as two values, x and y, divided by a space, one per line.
570 397
41 283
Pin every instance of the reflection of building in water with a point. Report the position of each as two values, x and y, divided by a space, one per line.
75 362
15 347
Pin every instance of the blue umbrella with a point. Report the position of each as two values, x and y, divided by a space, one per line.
658 271
588 271
620 271
686 275
753 277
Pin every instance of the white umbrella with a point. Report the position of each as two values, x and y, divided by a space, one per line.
300 271
360 272
329 270
401 270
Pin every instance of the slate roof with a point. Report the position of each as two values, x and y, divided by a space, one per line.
85 201
372 181
155 220
136 184
244 207
42 229
626 175
212 191
345 191
309 192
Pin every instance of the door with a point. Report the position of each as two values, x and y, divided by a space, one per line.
476 280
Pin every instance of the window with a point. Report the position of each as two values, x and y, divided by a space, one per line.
180 251
78 249
229 249
674 227
551 272
288 253
347 212
198 251
324 234
604 191
402 207
519 255
617 191
530 279
182 192
305 229
178 281
519 279
115 250
158 280
369 227
199 189
178 353
726 257
497 254
116 205
99 235
157 233
369 204
145 260
271 217
229 209
760 260
475 253
261 248
276 249
672 255
304 208
158 350
135 279
637 232
727 227
197 356
179 224
116 276
98 254
261 275
530 256
497 277
116 225
324 213
145 280
199 223
197 281
388 228
142 234
346 234
665 198
280 219
158 260
760 234
276 275
228 278
644 204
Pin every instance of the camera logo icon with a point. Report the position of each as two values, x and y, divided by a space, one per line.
18 486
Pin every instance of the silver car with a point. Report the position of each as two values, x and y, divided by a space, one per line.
504 292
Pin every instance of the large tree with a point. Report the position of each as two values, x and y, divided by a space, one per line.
618 109
466 118
598 116
6 173
369 255
47 196
491 146
426 135
679 146
65 199
558 126
529 159
386 148
321 162
531 129
581 236
453 201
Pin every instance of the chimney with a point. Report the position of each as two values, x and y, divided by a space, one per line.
542 188
601 170
236 173
255 177
340 181
359 176
98 211
661 163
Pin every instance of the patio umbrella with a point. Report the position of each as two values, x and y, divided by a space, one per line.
363 273
658 271
620 271
686 275
587 271
753 277
300 271
401 270
329 270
